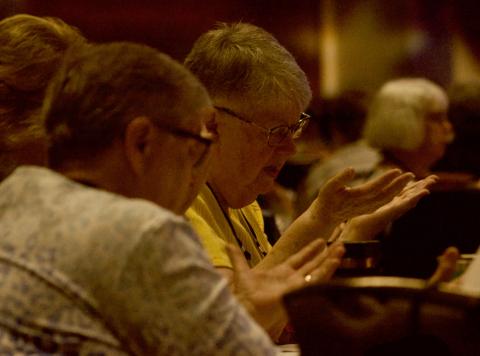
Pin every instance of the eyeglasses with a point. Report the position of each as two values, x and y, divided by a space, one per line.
276 135
205 141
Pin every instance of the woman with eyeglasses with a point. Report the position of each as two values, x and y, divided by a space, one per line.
260 94
95 255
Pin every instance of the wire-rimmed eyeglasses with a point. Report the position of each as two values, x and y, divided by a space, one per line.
275 135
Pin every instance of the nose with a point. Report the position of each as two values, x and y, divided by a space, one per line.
448 125
448 129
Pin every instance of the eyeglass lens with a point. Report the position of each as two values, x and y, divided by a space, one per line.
278 134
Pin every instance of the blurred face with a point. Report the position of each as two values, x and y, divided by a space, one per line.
438 133
246 163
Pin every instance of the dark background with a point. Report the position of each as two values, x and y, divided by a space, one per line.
172 26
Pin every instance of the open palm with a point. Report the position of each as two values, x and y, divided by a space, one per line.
261 289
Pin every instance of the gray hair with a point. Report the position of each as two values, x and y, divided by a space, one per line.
101 88
244 62
396 115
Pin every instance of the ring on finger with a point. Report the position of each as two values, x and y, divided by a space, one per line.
308 278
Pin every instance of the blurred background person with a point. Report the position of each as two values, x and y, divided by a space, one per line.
408 122
31 50
462 157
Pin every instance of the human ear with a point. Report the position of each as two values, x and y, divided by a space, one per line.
138 139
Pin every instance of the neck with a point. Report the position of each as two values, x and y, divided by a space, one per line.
95 172
218 197
93 178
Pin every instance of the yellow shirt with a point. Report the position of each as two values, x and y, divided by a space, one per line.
215 232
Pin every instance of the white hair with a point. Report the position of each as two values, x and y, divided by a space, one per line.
396 115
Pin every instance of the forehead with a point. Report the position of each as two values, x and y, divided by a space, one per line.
440 104
270 114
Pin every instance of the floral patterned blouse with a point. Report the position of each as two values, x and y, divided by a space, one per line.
88 272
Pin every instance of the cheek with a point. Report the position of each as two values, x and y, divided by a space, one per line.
439 132
255 158
240 152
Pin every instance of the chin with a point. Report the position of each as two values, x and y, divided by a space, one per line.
264 187
241 200
247 194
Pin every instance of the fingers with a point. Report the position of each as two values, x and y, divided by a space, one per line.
414 197
407 200
239 263
411 195
337 232
339 181
380 182
327 268
381 190
317 260
421 184
337 249
314 263
446 266
396 186
307 254
372 195
428 181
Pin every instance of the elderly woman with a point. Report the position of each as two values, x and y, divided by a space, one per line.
259 93
462 156
408 122
94 257
31 49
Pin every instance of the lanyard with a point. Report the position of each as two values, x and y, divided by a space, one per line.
244 221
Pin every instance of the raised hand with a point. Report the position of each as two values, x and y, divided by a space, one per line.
446 266
337 202
366 227
261 289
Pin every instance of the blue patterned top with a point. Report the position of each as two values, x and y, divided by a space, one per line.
88 272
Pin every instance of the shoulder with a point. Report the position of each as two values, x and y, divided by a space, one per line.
254 211
206 215
78 213
204 205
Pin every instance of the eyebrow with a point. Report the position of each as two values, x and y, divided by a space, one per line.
266 127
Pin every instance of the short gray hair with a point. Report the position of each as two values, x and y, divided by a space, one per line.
244 62
101 88
396 115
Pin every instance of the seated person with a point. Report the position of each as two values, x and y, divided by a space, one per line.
31 48
259 93
94 255
462 158
408 122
